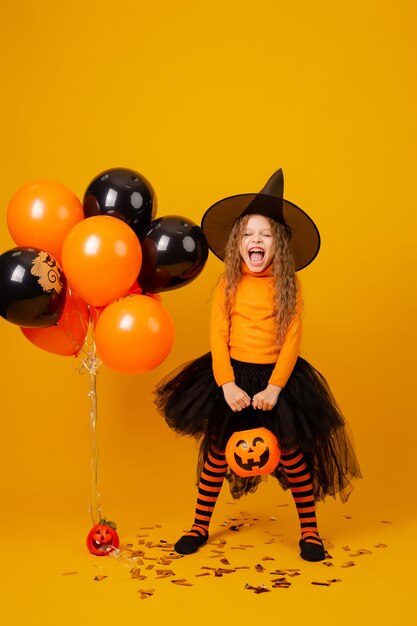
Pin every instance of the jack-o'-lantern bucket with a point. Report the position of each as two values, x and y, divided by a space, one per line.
103 538
253 452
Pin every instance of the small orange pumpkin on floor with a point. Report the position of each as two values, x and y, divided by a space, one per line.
253 452
103 538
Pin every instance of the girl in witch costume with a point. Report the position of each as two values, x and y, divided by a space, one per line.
254 375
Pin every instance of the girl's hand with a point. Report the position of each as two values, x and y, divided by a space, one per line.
235 397
266 400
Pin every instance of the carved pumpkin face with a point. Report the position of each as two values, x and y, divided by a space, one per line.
102 538
253 452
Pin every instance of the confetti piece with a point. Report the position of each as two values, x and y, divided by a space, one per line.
224 570
278 572
259 568
237 548
281 505
224 561
327 564
203 574
347 516
321 584
282 585
384 521
135 573
294 574
99 577
295 569
129 545
380 545
268 558
246 545
150 558
346 548
243 567
259 589
335 580
348 564
182 582
270 541
360 552
69 573
146 527
273 519
150 566
136 554
236 527
146 593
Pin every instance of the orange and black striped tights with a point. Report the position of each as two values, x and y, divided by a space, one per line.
299 479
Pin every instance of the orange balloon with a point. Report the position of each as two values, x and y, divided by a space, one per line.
67 336
134 334
41 214
96 311
101 258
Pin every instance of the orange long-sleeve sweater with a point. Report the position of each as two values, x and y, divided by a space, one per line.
250 336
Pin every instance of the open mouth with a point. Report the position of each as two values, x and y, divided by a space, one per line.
256 255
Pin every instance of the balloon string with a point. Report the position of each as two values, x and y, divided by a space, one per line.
91 362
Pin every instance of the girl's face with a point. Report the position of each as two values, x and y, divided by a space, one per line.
257 244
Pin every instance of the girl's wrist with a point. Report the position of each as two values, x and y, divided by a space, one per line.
277 387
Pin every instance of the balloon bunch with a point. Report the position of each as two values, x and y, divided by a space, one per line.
97 265
104 260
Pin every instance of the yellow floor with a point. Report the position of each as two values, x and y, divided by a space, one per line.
48 577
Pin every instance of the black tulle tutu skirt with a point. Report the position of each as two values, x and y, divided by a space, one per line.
306 416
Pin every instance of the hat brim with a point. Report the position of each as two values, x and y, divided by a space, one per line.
218 221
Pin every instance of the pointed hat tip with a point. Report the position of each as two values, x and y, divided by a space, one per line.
275 185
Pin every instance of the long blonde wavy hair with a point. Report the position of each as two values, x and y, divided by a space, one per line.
283 272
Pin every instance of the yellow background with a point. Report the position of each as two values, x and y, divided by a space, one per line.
207 100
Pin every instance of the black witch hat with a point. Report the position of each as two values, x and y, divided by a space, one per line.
219 219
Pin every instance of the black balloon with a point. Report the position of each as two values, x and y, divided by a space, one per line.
32 288
174 251
124 194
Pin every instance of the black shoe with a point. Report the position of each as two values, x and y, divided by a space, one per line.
190 543
312 551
